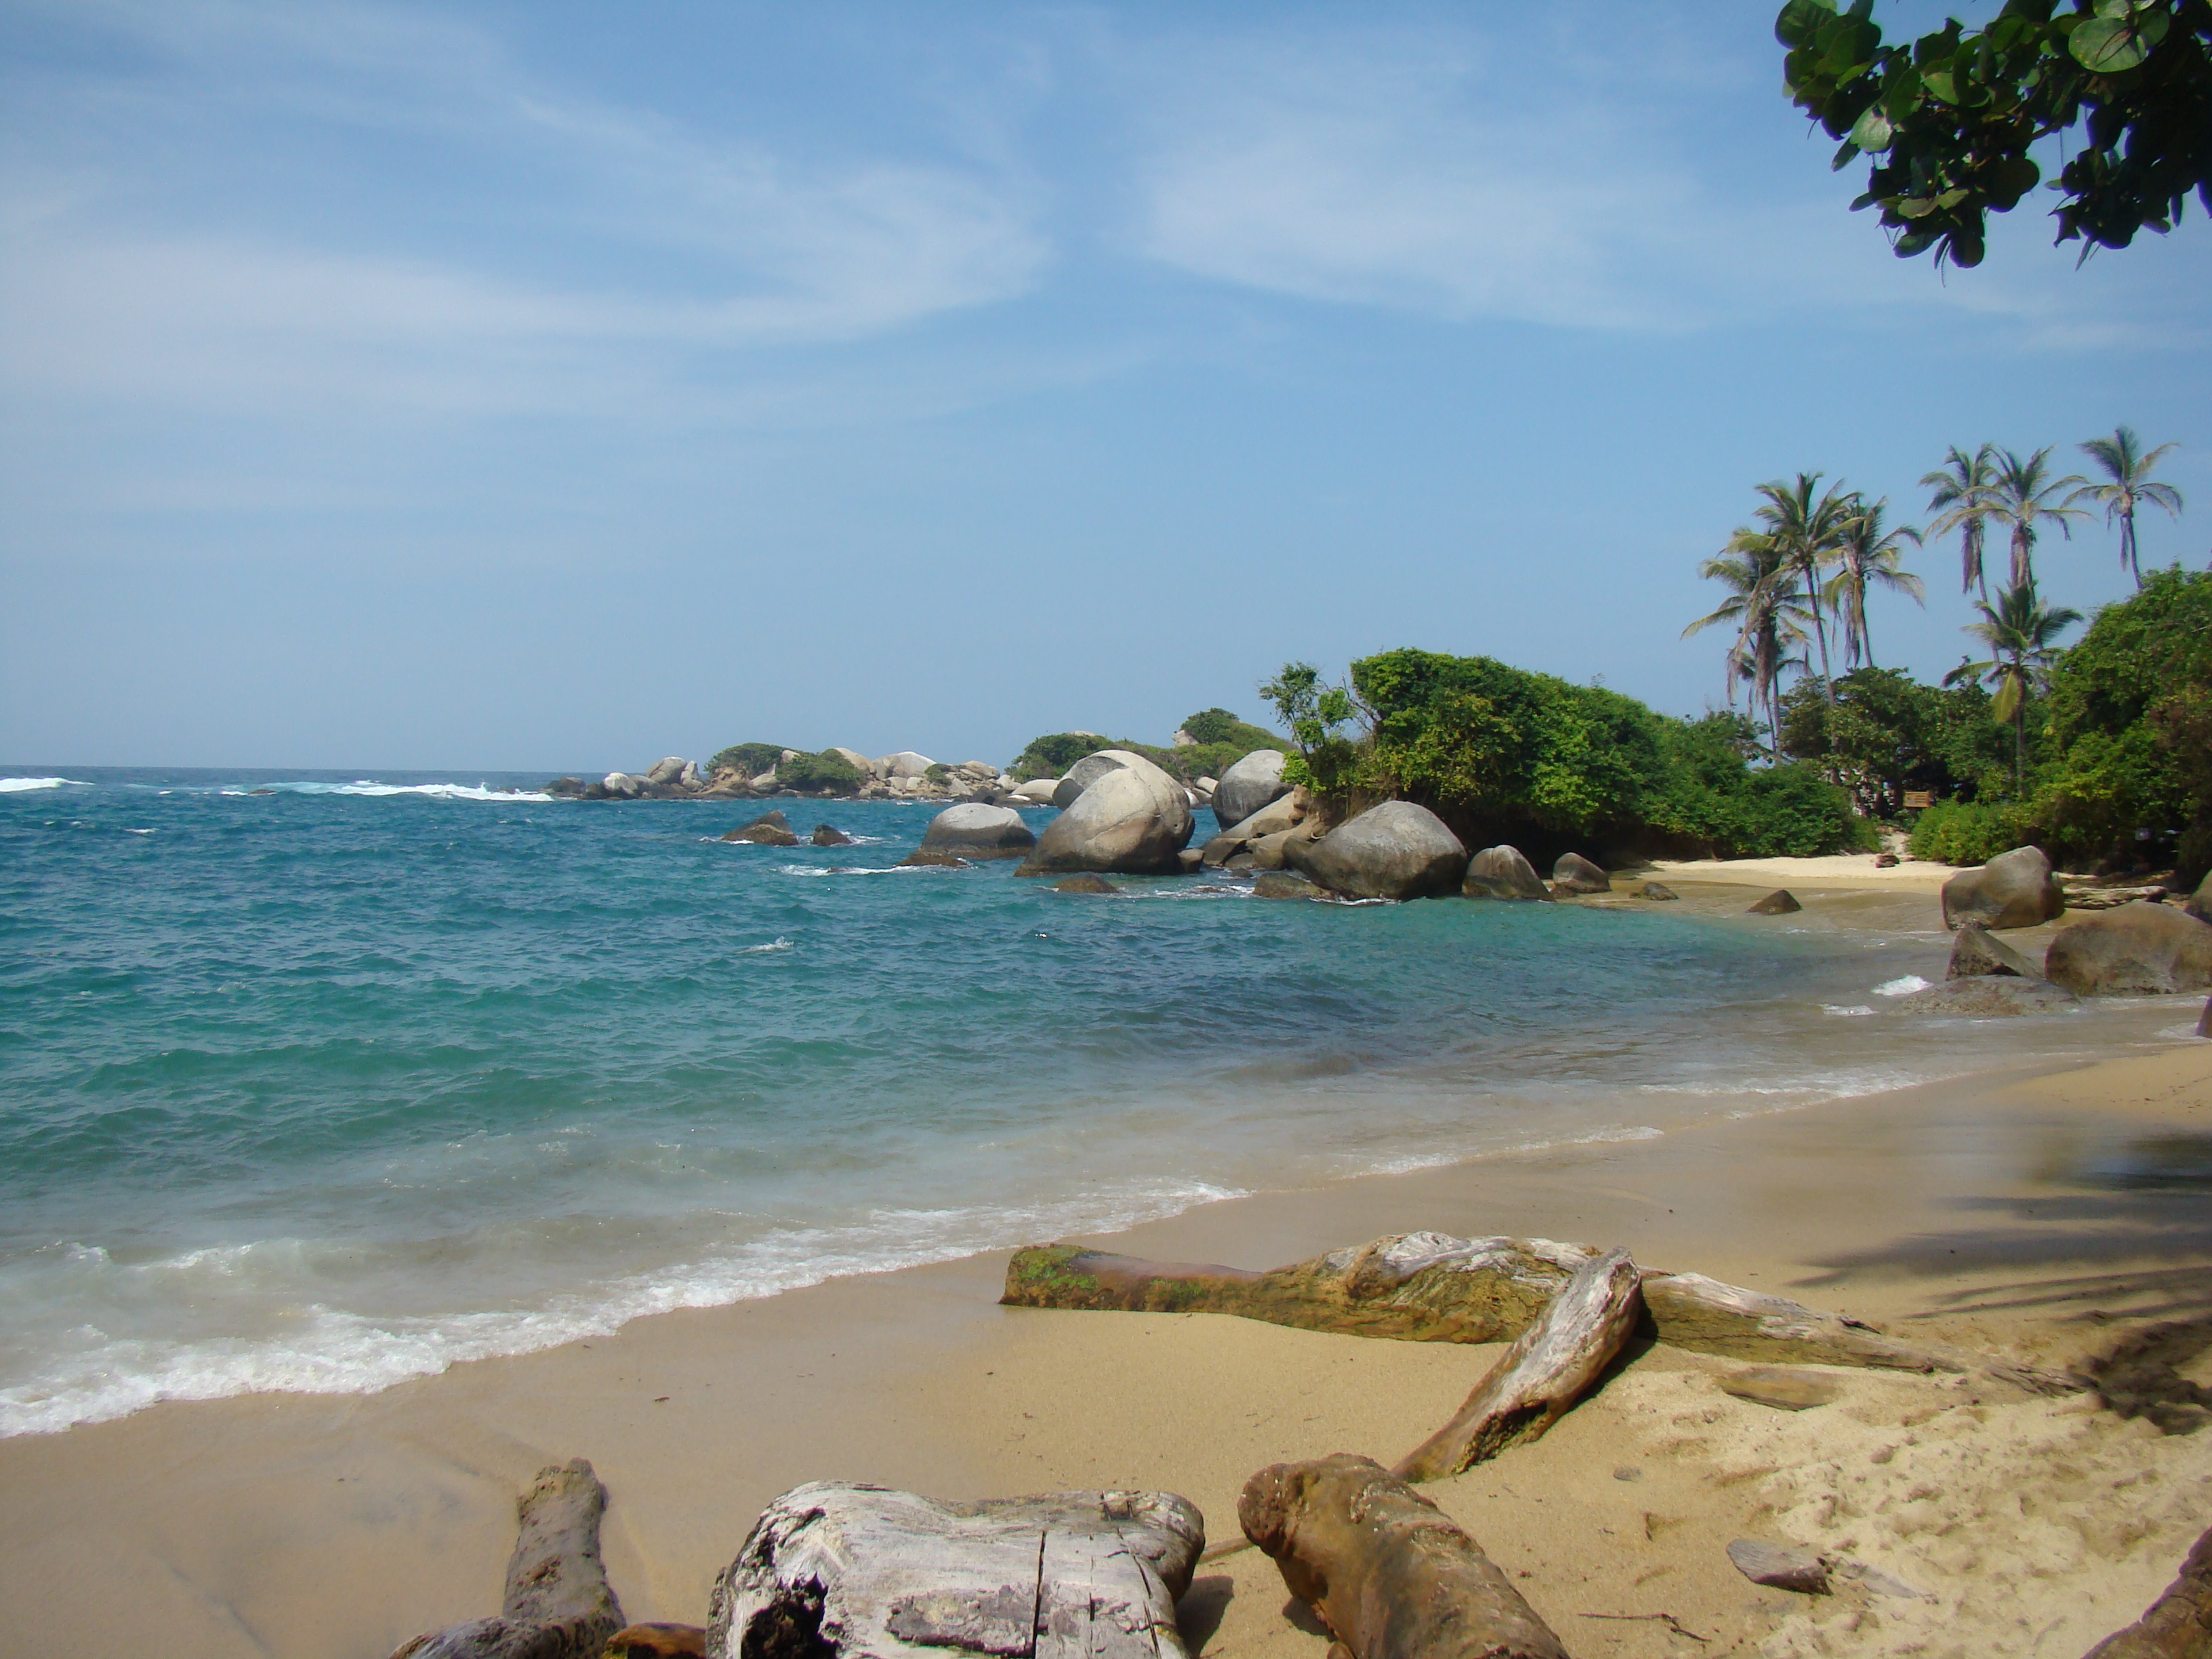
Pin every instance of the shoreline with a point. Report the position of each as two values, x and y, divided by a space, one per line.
342 1524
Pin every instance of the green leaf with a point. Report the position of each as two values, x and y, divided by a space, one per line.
1872 131
1915 207
1941 82
2010 179
1951 198
1801 19
2108 45
1845 155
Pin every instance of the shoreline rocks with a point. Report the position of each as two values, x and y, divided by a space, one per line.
1395 850
975 830
2139 950
1505 873
2012 889
1131 819
1574 874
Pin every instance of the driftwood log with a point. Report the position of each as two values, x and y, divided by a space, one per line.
1384 1569
1551 1365
1431 1287
558 1604
834 1570
2178 1625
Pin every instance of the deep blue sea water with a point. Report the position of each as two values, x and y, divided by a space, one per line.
326 1087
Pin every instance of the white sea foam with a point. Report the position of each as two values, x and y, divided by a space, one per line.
371 787
780 943
17 786
1852 1012
1904 986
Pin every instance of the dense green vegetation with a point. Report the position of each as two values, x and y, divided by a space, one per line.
826 773
750 758
1223 739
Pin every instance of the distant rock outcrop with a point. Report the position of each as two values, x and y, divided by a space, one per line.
1396 850
2012 889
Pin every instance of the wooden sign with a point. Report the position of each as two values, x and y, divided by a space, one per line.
1918 801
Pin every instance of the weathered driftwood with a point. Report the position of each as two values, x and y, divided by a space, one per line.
1418 1287
1384 1568
558 1604
1551 1365
2178 1625
836 1570
1431 1287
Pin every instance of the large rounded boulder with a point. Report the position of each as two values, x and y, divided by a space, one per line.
2012 889
2140 949
1087 771
1574 874
1395 851
1505 873
1248 785
976 831
1133 819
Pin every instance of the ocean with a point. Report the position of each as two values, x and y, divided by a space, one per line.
320 1082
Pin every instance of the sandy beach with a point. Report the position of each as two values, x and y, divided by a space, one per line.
2034 1215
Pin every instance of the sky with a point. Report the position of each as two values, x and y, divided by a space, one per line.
558 386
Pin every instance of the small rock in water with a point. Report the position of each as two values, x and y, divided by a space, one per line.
1780 902
1784 1390
769 830
931 857
1190 857
1085 884
1653 889
1978 953
1281 884
1986 996
828 835
1780 1566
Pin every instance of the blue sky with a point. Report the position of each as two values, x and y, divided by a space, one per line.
560 385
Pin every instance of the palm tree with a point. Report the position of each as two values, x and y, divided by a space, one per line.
1868 553
1959 500
2020 493
1807 533
2129 470
2021 633
1763 603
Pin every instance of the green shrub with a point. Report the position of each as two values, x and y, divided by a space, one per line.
1219 728
1971 832
826 773
1051 755
750 758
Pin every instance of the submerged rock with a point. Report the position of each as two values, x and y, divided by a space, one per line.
1250 784
1396 850
931 857
1133 819
1986 996
2139 950
769 830
1086 883
979 831
828 835
1574 874
1504 872
2012 889
1976 953
1780 902
1282 884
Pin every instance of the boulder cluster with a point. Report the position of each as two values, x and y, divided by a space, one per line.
906 775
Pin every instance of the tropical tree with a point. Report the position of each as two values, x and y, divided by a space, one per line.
2020 496
2127 470
1959 499
1764 604
2021 633
1868 552
1808 533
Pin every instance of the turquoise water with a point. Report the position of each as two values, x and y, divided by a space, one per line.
326 1087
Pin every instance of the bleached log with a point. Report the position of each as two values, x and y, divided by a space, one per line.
1418 1287
557 1604
2178 1625
836 1570
1550 1366
1384 1568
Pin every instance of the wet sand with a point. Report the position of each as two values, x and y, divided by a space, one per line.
2034 1215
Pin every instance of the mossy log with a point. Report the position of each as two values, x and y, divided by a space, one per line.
1384 1569
2178 1625
1551 1365
836 1570
558 1604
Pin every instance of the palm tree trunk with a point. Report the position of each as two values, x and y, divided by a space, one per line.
2023 555
1820 632
2128 546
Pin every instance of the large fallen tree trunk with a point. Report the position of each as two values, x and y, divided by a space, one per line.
834 1570
1552 1365
2178 1625
1384 1568
1430 1287
558 1604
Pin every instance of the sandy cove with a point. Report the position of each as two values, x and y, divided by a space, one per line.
2021 1213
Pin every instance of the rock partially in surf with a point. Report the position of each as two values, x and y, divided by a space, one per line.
1085 884
1190 858
1655 889
1282 884
1976 953
1086 772
827 834
666 770
2140 949
978 831
769 830
1986 997
1780 902
930 858
566 788
2012 889
620 785
1574 874
1504 872
1218 851
1250 784
1395 850
1133 819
